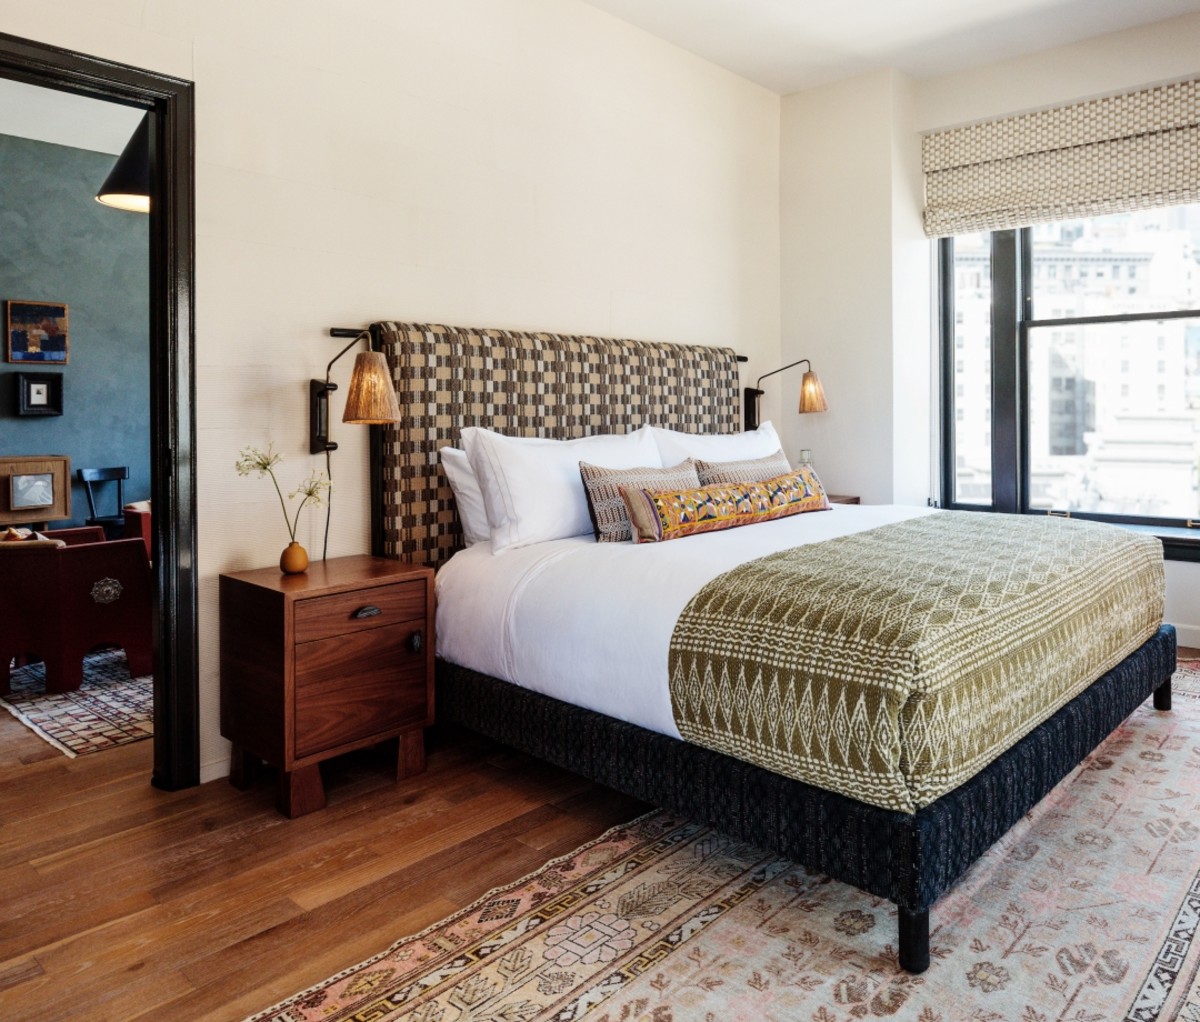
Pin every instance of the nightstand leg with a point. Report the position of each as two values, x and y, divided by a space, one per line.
411 758
300 791
243 768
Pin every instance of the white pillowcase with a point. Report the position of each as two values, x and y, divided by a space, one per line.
472 514
531 486
675 447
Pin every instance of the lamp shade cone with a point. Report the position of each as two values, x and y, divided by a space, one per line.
128 183
371 398
812 394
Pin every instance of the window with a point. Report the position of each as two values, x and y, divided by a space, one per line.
1090 400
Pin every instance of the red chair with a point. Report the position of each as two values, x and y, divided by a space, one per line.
59 602
139 525
78 535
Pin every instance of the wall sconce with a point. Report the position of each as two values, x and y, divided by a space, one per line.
370 401
128 183
812 394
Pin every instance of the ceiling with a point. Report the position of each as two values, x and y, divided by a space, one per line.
789 45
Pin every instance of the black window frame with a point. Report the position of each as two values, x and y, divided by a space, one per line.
1012 317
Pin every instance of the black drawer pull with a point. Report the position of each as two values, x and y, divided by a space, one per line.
368 611
414 642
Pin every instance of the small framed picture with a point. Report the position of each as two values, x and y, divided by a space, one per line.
37 331
29 491
39 394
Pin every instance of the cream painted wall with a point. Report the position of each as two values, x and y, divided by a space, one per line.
1161 52
855 269
855 285
518 163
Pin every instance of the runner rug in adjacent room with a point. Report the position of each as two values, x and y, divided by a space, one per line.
107 710
1086 911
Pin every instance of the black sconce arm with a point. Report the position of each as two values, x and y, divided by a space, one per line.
750 395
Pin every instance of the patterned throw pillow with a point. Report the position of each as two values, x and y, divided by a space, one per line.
12 535
603 486
658 515
749 470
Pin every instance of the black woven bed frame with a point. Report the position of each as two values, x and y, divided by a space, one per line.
451 377
910 860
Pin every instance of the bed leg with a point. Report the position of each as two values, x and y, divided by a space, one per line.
1162 696
914 940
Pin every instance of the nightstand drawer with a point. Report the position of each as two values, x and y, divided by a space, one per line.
325 616
351 687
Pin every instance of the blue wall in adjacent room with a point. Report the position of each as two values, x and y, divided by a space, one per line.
57 244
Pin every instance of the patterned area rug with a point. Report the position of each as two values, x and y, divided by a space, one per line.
1085 911
108 709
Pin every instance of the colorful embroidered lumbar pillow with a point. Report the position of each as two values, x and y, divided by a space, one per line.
658 515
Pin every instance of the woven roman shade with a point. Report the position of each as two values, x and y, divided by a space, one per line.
1110 155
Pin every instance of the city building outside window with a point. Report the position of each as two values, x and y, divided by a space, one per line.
1072 379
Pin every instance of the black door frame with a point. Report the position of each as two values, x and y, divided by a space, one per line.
172 386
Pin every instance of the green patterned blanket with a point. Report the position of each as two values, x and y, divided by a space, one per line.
894 664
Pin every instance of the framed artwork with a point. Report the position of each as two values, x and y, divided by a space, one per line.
28 479
37 331
39 394
34 490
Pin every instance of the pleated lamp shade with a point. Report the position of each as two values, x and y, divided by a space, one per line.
812 394
371 398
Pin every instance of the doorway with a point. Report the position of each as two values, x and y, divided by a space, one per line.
172 426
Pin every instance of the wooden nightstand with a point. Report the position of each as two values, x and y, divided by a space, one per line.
317 664
842 498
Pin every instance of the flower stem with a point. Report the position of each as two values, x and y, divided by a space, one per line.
296 522
290 527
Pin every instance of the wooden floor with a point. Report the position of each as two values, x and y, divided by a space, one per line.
121 902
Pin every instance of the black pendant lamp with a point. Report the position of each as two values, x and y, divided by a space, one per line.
128 183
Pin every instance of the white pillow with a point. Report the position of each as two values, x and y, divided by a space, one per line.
531 486
472 514
675 447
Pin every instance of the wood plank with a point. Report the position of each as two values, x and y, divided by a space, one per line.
122 901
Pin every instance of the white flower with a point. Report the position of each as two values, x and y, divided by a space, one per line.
253 459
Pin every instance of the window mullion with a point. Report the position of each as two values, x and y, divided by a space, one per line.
1007 298
946 278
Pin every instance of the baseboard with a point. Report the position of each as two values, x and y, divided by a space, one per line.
214 771
1188 635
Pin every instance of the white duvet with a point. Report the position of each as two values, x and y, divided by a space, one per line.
590 623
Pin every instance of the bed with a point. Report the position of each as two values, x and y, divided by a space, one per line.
910 852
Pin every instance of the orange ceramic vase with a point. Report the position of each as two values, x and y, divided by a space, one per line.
293 560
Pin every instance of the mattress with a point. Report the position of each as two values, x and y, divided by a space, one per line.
591 623
711 639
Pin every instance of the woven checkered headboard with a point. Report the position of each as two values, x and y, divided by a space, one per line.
523 384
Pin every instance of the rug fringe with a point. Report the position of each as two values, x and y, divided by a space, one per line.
38 731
